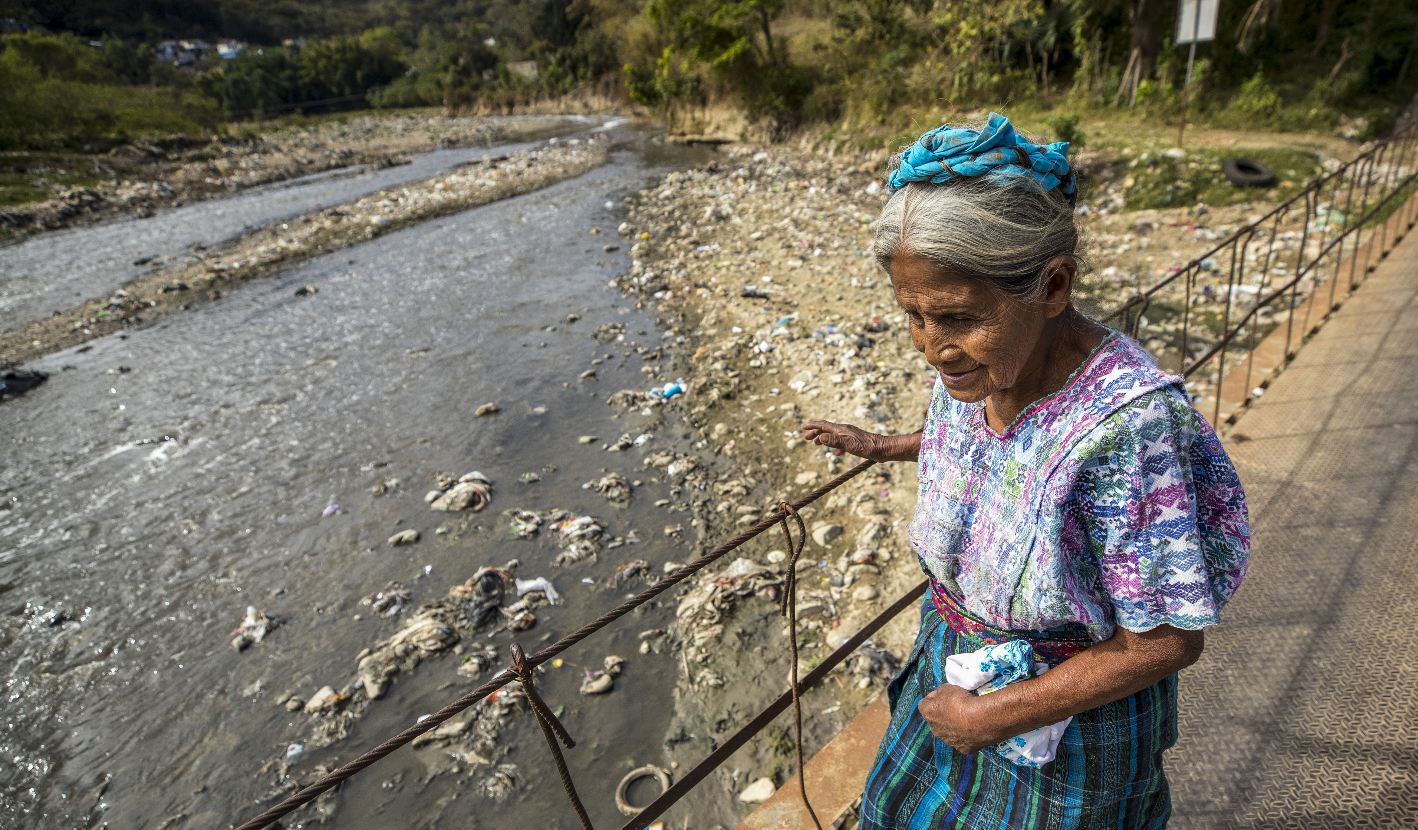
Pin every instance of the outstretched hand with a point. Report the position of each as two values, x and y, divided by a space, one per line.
845 438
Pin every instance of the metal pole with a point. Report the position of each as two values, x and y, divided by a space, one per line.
1187 85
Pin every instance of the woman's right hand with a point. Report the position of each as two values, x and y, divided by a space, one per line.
856 441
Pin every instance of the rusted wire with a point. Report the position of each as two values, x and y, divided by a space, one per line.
552 730
433 721
726 748
789 609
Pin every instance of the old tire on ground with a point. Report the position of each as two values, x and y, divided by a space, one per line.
1247 173
651 771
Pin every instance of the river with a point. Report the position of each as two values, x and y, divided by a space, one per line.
61 269
126 559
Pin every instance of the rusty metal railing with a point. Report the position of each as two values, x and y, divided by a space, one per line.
1232 317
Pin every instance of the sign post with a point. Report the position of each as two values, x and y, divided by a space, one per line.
1196 22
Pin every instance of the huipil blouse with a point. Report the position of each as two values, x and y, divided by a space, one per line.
1110 502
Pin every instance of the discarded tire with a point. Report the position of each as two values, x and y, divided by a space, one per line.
1247 173
635 775
17 382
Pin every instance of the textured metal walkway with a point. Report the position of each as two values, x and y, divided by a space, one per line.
1304 711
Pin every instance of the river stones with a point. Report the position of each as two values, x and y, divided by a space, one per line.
824 534
403 537
760 790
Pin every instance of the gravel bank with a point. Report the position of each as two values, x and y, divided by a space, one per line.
206 273
138 178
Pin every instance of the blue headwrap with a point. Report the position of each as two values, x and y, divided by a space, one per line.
947 153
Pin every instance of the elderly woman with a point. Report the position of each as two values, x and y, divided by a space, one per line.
1074 508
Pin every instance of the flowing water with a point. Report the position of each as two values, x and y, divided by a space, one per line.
59 270
126 559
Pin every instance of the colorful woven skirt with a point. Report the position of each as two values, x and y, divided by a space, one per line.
1108 772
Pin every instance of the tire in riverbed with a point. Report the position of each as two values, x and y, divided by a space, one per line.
1247 173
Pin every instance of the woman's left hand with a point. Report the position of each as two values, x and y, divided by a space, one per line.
955 716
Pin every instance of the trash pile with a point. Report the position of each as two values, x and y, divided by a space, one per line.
478 605
713 596
469 492
583 533
613 486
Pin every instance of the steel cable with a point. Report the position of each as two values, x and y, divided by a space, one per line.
552 730
789 609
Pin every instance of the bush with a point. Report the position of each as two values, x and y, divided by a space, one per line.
1066 128
58 90
262 82
1257 97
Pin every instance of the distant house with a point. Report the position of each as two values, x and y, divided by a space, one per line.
182 52
527 69
229 49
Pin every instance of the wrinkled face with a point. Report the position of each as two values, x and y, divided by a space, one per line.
977 338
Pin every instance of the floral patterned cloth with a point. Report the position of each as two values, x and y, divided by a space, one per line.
1110 502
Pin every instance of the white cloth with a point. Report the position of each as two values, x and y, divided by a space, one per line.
994 667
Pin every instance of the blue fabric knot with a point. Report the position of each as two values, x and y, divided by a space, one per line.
996 152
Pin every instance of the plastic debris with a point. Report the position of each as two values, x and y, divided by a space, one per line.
330 510
253 629
389 601
613 486
542 584
294 751
487 409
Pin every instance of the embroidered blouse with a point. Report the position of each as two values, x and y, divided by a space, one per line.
1110 502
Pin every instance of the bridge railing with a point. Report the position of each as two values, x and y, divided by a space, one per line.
1231 318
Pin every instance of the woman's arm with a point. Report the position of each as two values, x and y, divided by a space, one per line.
1111 670
863 444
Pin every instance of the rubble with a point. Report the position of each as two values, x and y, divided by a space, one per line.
470 492
613 486
253 629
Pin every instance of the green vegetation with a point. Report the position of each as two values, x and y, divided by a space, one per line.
1160 181
339 70
27 177
872 73
58 89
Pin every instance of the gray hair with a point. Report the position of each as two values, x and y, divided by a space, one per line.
1002 235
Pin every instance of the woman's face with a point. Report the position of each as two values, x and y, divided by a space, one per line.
980 340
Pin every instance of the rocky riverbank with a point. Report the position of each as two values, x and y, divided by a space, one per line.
141 177
205 274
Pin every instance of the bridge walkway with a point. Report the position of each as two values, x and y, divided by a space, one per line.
1304 711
